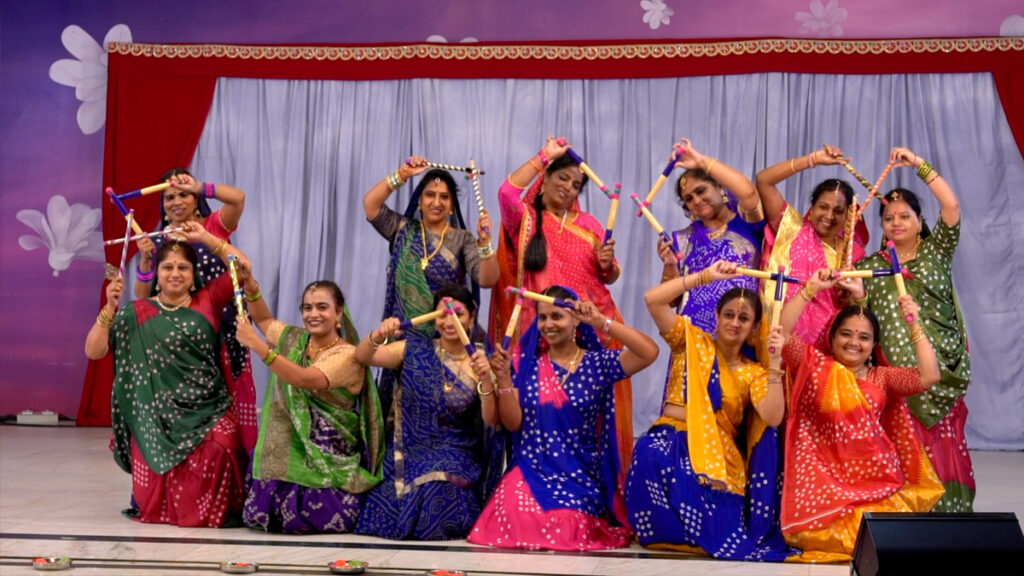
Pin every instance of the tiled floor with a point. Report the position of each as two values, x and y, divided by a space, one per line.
61 493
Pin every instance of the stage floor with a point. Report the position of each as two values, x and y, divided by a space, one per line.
61 495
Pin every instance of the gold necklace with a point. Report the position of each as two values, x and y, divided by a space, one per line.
423 236
717 232
445 356
314 351
172 307
907 257
561 216
572 364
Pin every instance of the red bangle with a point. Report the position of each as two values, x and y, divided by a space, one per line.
504 391
543 157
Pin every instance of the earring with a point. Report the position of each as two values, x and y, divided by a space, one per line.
725 197
157 287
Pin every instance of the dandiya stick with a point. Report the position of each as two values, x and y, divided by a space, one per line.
144 191
654 223
421 319
141 236
477 192
471 169
662 179
583 166
877 187
127 234
780 289
845 161
233 271
863 273
560 302
463 337
897 274
612 212
123 210
513 323
852 215
766 275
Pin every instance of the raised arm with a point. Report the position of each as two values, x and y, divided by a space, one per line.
373 350
727 176
927 362
640 350
377 195
97 341
767 179
949 205
661 298
821 280
258 309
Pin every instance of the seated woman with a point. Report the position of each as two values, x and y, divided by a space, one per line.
850 444
321 436
436 466
698 492
562 493
176 427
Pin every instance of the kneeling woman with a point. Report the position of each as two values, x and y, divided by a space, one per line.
176 428
436 466
321 436
850 443
563 491
690 486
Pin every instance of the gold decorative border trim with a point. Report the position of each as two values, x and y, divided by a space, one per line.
549 52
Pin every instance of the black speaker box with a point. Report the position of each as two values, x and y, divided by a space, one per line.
899 544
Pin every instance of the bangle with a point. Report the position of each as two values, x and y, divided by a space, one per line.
543 157
270 357
862 302
209 189
394 180
710 166
480 390
810 160
607 328
503 391
776 371
486 251
144 276
373 342
917 334
220 247
536 165
104 318
254 297
791 167
807 293
924 170
514 185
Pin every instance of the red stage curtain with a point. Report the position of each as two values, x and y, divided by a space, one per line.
158 95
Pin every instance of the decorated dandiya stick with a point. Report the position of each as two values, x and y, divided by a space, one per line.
876 190
852 215
471 169
662 179
450 308
612 211
766 275
583 166
144 191
477 193
233 271
863 273
127 234
146 235
845 161
560 302
513 323
123 210
655 224
421 319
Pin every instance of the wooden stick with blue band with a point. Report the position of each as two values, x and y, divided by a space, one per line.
560 302
513 323
612 211
144 191
897 275
780 291
863 273
421 319
583 165
123 210
766 275
450 308
655 224
233 271
661 180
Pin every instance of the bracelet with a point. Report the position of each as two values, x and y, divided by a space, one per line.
776 371
374 343
607 328
810 160
271 356
924 170
394 180
807 293
775 380
543 157
220 247
486 251
791 167
862 302
104 318
514 185
705 277
254 297
209 189
145 276
917 334
480 390
503 391
710 166
536 165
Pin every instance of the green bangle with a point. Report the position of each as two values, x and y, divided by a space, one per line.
254 297
271 356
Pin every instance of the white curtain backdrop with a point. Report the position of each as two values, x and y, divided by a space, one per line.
305 152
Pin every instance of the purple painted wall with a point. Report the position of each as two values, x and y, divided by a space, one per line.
51 144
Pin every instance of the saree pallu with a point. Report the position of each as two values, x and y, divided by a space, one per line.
235 359
562 493
940 412
571 262
432 486
793 243
318 450
850 448
695 491
169 396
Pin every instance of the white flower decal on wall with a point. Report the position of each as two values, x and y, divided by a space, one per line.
68 231
656 13
1012 26
442 40
823 20
87 74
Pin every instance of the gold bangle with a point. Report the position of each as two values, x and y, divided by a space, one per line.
220 247
710 166
480 390
104 321
807 294
862 302
791 167
374 343
270 357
